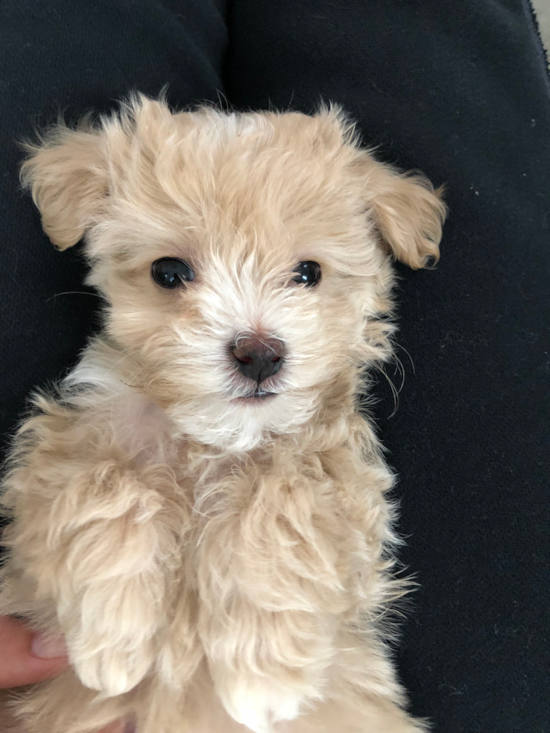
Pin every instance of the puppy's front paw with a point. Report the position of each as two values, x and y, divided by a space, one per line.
113 671
262 703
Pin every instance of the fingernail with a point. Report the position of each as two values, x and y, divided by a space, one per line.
46 647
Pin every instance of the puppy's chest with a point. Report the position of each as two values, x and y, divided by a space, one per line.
255 497
214 483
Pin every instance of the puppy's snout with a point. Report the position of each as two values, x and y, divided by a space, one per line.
258 358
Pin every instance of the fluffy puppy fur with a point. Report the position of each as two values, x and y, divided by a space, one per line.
216 563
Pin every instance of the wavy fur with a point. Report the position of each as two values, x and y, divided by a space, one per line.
216 566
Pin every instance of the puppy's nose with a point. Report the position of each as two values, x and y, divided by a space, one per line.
258 358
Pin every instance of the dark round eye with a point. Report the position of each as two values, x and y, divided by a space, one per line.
169 272
307 273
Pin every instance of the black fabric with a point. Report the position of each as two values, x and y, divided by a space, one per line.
458 90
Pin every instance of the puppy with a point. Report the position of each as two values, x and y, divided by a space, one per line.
200 509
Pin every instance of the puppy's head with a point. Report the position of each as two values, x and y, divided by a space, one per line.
244 258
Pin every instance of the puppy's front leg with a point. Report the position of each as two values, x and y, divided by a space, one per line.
92 545
266 666
271 590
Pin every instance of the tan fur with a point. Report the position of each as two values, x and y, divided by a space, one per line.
215 566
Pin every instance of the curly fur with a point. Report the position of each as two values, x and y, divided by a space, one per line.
216 566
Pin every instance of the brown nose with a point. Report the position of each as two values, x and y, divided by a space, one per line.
258 358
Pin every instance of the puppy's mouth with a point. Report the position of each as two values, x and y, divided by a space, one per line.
258 396
249 392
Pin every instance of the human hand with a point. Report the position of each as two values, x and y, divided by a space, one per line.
27 658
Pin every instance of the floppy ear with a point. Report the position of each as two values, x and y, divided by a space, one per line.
67 175
408 211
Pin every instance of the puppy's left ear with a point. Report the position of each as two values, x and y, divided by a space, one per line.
407 210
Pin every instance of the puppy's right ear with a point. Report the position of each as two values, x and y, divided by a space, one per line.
67 174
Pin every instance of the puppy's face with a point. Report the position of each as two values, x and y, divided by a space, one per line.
244 258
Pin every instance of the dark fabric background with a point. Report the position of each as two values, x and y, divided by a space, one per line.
456 89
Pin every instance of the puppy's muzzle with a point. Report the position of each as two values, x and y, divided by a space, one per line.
258 358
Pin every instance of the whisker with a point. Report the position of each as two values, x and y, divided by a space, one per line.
406 352
393 389
73 292
401 369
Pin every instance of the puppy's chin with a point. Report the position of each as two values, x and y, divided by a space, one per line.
242 424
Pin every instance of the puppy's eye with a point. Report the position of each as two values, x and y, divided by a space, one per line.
307 273
170 272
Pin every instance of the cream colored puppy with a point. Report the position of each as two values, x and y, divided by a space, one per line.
200 510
